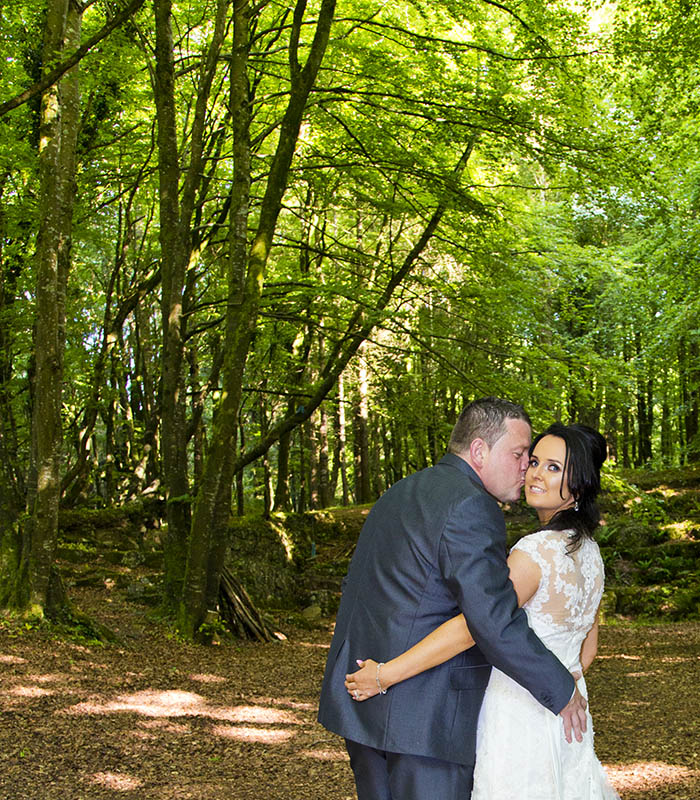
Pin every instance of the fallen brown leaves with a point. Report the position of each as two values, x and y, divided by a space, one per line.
152 718
646 710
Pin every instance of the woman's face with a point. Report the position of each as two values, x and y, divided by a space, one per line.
546 486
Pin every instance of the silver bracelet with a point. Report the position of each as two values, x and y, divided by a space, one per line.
379 685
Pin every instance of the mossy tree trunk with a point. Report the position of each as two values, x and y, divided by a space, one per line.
174 259
35 586
177 204
246 275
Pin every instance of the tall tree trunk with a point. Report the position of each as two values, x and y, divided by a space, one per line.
245 278
146 471
174 259
375 458
240 484
611 423
303 472
397 450
325 498
282 502
109 419
312 439
12 487
361 435
197 410
339 455
666 419
627 456
689 368
265 466
387 461
58 136
176 213
645 411
334 471
213 500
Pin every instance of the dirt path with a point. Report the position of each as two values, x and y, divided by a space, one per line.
152 718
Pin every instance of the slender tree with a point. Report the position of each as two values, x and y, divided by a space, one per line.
60 116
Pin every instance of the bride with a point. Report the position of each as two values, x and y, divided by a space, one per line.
558 577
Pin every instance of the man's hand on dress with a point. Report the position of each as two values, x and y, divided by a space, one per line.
574 714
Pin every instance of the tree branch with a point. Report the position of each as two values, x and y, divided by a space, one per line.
358 329
57 72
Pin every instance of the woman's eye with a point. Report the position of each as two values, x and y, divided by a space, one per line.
554 468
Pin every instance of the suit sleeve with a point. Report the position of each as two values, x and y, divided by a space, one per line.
472 559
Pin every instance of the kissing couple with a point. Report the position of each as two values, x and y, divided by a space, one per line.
471 660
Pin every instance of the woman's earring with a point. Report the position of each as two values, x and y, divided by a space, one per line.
576 506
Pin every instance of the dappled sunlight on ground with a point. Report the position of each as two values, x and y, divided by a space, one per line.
248 723
4 659
148 703
682 529
284 702
153 720
30 691
207 678
326 754
260 715
678 659
648 674
647 775
117 782
159 726
635 703
259 735
47 678
603 657
25 688
174 703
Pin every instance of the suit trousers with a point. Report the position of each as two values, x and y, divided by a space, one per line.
380 775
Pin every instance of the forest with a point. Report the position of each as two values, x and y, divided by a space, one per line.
254 258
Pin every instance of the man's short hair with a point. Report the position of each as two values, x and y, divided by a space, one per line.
485 419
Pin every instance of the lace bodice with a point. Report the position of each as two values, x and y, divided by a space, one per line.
521 750
563 609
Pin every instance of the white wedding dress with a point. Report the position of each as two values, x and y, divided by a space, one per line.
521 750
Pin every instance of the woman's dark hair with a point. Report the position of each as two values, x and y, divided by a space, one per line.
586 450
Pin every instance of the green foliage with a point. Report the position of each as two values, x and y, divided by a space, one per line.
649 573
563 272
643 506
211 630
680 601
71 626
80 628
15 626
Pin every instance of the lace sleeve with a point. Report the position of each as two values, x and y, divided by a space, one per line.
532 546
571 585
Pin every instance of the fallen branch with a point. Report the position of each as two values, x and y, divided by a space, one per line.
239 613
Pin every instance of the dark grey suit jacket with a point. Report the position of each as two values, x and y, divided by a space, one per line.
433 545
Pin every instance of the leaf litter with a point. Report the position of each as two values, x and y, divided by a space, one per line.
153 718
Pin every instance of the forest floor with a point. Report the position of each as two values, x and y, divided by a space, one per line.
151 717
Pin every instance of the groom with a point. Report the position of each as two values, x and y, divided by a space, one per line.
434 545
